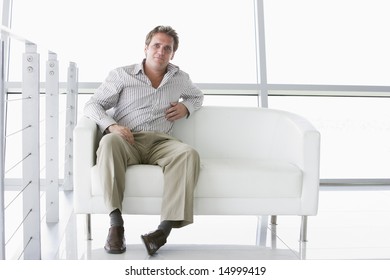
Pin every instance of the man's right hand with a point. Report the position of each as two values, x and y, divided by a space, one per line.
123 131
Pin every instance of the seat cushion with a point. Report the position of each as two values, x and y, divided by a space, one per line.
224 178
243 178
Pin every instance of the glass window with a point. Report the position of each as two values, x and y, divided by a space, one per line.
238 101
328 41
355 133
217 38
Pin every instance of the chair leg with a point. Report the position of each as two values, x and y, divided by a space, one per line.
303 234
273 232
261 234
88 226
302 250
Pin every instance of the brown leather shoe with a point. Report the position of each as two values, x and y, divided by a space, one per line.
153 241
116 243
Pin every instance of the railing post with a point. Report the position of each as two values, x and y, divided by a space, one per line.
2 152
71 119
31 163
52 141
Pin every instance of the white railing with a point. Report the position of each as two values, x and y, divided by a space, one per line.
71 119
33 184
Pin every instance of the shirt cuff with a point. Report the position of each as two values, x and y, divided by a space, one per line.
105 123
189 107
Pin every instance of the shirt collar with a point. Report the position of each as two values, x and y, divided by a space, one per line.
139 68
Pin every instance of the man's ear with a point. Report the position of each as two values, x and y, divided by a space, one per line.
145 49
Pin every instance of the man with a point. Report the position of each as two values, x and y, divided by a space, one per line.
145 100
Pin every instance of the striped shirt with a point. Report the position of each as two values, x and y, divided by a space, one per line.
131 100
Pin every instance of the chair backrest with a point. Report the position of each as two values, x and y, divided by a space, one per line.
226 132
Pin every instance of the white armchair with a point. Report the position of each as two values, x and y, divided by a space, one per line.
254 161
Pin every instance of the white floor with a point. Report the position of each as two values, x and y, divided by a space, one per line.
352 223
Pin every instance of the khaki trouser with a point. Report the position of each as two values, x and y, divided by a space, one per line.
179 162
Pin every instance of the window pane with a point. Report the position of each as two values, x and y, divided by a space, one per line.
216 37
355 133
328 41
239 101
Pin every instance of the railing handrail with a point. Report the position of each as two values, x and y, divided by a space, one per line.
13 35
7 31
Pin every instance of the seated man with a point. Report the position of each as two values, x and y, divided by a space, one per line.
146 100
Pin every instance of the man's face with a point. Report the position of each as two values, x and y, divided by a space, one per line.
160 51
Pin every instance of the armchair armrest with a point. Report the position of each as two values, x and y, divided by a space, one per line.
299 143
86 139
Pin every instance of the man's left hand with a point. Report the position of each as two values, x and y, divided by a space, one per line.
176 111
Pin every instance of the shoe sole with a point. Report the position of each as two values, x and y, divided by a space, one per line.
115 251
145 241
